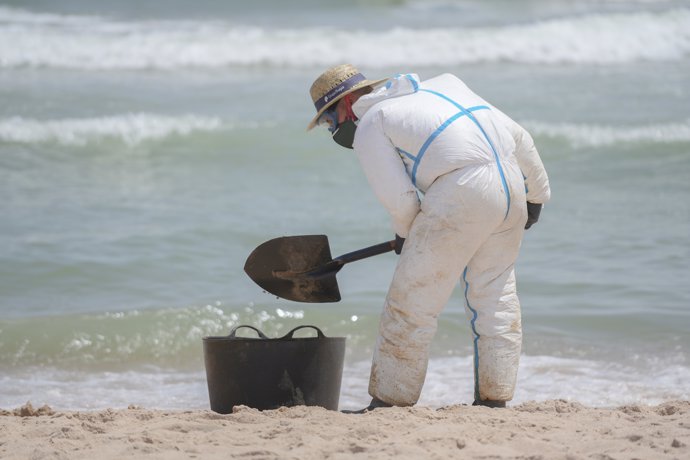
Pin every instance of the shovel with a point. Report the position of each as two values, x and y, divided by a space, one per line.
300 268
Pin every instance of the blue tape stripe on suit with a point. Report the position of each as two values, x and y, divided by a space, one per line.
435 134
486 136
476 337
407 154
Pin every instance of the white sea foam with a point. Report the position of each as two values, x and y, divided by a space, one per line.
65 389
131 129
92 43
586 135
449 381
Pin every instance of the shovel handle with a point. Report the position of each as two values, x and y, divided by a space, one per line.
360 254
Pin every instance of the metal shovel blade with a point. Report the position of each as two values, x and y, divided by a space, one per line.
298 268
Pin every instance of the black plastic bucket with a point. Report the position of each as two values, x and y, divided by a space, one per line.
268 373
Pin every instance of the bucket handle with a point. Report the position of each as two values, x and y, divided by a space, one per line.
234 330
289 334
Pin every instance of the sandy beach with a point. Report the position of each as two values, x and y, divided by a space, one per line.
551 429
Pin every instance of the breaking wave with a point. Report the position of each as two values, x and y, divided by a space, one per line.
132 129
37 40
587 135
135 128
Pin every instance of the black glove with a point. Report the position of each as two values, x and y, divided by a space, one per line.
398 244
533 211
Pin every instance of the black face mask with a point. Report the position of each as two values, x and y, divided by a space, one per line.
344 134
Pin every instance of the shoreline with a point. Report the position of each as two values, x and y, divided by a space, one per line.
547 429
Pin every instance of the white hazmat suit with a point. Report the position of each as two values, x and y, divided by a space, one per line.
476 168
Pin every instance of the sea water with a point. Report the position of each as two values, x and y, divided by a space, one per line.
147 148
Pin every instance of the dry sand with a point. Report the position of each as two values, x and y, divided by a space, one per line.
550 429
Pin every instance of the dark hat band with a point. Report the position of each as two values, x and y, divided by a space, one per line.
341 88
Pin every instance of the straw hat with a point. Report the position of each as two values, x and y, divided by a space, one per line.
334 84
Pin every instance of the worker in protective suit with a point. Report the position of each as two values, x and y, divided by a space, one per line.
483 183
